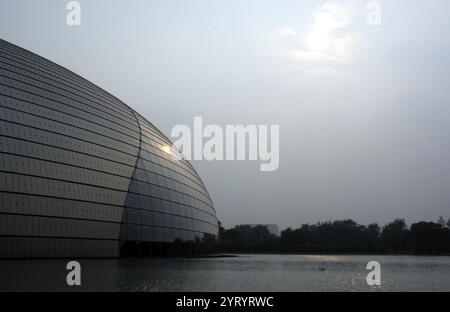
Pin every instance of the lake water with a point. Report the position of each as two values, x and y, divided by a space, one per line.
242 273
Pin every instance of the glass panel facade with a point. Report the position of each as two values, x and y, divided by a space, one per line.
81 172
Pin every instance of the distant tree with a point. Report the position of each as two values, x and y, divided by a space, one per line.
341 236
337 236
287 237
246 238
221 231
448 223
429 238
373 230
372 238
394 236
346 236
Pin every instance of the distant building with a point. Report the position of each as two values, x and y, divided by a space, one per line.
441 221
272 228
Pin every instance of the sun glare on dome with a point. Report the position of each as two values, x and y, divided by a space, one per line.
167 149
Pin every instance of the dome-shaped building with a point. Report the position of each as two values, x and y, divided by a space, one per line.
84 175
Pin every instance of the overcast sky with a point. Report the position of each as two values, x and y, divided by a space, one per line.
364 111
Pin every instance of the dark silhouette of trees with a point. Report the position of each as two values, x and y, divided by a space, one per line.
338 236
245 238
429 238
341 236
373 234
394 236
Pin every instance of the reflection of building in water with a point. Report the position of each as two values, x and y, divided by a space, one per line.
272 228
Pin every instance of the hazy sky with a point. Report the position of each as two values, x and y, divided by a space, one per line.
364 111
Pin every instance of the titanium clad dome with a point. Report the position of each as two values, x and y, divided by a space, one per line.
81 173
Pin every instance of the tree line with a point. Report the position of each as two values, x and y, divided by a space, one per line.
342 236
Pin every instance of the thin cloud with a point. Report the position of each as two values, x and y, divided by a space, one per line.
322 45
286 32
